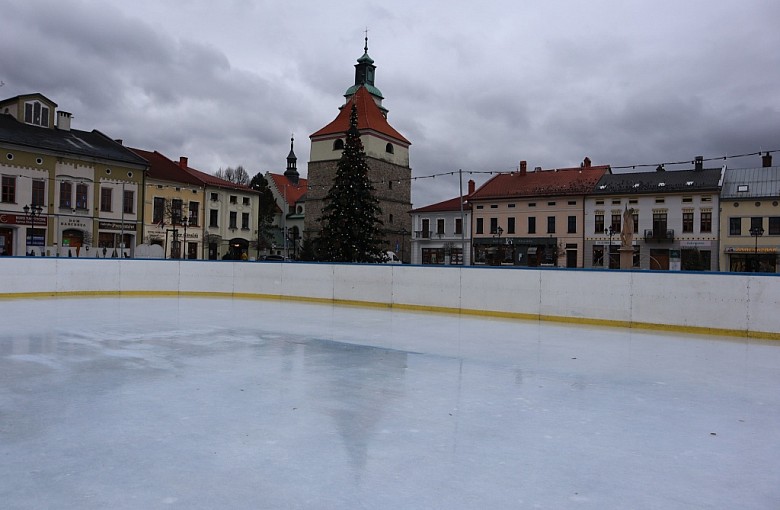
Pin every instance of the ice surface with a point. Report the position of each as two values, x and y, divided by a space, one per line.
133 403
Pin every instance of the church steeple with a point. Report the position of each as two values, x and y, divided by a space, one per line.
365 73
292 164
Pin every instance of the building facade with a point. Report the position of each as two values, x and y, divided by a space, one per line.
65 192
290 194
750 219
441 233
387 156
674 216
533 218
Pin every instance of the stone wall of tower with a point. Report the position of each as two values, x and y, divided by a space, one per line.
395 199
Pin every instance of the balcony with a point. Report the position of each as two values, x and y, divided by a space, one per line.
423 234
659 236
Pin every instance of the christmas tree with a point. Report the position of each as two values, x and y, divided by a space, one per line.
351 217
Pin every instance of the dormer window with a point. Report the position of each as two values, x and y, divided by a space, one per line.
36 113
338 145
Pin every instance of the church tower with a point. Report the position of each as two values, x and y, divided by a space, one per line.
387 156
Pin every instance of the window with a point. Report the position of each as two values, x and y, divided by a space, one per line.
66 190
233 219
551 203
389 148
599 229
494 206
706 199
458 226
390 184
572 202
176 210
440 226
245 200
532 204
158 211
635 219
214 197
213 218
551 224
510 225
735 226
616 222
9 189
426 228
36 113
532 224
81 196
616 202
245 221
338 145
659 225
493 225
480 207
38 192
511 206
756 222
687 200
572 225
390 219
233 199
598 256
659 200
480 227
687 221
194 213
105 199
705 223
128 201
774 225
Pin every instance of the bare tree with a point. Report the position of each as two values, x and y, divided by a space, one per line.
236 175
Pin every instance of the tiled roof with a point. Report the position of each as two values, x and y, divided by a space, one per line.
164 169
759 182
93 144
370 118
294 192
562 181
216 182
452 204
655 182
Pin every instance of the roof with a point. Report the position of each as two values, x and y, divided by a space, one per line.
452 204
164 169
760 182
370 118
92 144
216 182
562 181
294 192
654 182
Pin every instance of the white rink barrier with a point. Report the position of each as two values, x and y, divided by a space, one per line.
722 303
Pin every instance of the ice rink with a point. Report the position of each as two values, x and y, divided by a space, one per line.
156 403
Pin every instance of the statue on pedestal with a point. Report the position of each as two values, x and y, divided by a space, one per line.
627 232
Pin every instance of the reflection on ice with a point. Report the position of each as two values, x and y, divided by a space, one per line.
194 403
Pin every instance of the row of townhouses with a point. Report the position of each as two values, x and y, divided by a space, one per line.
699 219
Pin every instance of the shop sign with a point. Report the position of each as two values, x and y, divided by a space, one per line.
21 219
748 249
73 223
695 244
110 225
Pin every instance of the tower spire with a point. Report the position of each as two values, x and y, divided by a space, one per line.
292 163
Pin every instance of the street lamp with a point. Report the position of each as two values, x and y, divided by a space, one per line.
184 222
610 232
30 213
403 233
756 232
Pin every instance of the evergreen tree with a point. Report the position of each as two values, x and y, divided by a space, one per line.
351 217
265 218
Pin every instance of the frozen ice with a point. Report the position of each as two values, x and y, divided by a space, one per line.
146 403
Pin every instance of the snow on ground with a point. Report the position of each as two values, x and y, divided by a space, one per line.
138 403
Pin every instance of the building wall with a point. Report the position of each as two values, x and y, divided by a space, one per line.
157 233
375 147
438 245
738 252
736 304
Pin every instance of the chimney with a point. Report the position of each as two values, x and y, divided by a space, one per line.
698 163
63 120
586 162
471 186
183 162
766 160
523 167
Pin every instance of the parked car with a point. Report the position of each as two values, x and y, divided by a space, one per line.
274 258
392 258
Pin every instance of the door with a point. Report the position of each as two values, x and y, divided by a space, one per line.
6 241
659 260
571 258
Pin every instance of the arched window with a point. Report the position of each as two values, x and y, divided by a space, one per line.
389 148
338 145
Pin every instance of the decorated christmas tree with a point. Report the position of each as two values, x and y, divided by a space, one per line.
351 216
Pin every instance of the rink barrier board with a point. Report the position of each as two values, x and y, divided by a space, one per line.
545 294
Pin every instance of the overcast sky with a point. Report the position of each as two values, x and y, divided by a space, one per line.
476 86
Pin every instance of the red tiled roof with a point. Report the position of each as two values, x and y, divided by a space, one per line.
211 180
294 191
452 204
562 181
164 169
370 118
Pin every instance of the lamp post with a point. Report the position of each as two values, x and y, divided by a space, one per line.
756 232
610 232
30 213
499 249
403 233
184 222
